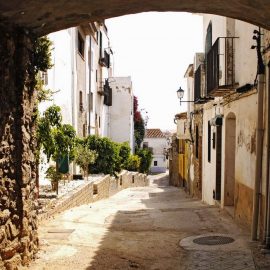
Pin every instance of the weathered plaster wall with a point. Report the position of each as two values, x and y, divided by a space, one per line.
197 157
245 58
18 235
209 167
174 177
121 112
245 110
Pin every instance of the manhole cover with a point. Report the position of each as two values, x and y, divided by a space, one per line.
213 240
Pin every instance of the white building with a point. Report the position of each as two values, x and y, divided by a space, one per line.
157 142
81 58
121 119
226 147
81 65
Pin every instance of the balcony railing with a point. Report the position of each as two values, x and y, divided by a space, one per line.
220 73
198 83
105 60
107 93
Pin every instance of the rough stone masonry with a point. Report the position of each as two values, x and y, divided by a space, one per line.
18 228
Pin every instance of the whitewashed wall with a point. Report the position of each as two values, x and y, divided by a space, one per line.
121 125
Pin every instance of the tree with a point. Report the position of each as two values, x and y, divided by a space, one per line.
133 163
42 54
139 125
124 154
146 157
42 62
56 139
84 157
107 161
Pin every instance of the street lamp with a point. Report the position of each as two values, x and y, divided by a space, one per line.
180 94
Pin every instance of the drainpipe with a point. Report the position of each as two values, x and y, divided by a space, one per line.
258 169
259 138
267 212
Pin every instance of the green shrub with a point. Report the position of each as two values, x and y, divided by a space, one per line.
53 175
124 154
84 157
146 157
133 163
108 159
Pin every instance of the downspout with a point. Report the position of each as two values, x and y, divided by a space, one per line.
267 212
90 83
259 139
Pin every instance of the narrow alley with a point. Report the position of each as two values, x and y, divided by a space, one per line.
155 227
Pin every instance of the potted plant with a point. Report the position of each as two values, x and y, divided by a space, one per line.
54 176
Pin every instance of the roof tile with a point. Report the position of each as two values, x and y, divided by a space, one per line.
154 133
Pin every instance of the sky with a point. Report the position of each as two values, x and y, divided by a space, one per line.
155 49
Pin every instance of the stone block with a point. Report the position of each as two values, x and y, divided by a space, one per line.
4 216
14 263
10 251
13 230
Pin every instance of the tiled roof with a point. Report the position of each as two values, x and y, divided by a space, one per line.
154 133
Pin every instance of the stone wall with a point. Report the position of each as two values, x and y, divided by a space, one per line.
80 196
197 155
98 190
18 228
174 176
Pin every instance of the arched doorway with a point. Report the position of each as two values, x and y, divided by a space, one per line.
229 168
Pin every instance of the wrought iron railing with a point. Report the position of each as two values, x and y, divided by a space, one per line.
105 59
107 93
198 83
220 73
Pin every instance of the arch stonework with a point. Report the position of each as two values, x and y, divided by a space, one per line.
20 23
48 16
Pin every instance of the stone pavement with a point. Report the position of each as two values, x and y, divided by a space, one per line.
151 228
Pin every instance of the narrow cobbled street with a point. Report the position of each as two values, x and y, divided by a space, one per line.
155 227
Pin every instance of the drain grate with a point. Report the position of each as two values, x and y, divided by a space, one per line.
213 240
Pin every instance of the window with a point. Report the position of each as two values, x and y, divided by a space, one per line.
145 145
96 75
155 163
99 121
209 142
81 101
91 101
80 44
100 45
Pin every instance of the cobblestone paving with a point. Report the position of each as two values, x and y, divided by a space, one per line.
150 228
220 260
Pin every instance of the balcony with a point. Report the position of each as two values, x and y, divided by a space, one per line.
107 91
200 97
104 60
198 84
220 73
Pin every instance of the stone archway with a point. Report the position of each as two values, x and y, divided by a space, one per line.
229 169
20 23
43 17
